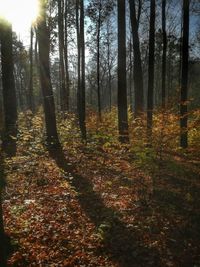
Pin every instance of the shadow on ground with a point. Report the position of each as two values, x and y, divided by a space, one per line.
121 243
5 244
177 198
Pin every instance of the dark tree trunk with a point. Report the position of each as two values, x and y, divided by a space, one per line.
45 80
164 53
9 94
184 76
67 79
98 62
82 72
130 76
78 55
151 71
30 93
122 90
109 76
63 91
138 74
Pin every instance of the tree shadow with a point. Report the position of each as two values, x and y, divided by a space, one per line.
177 197
122 243
5 246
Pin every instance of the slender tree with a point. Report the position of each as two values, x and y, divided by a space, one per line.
81 61
184 76
98 58
9 94
30 92
150 92
63 92
95 12
164 53
45 80
130 75
122 90
66 58
138 73
99 11
109 60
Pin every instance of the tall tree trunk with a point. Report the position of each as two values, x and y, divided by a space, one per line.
184 76
9 94
82 78
78 55
164 53
122 90
98 62
30 93
150 92
138 74
109 77
67 79
63 91
130 76
45 80
36 61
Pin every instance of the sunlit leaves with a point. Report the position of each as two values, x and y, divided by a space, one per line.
85 216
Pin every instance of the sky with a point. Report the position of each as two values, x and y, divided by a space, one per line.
24 12
21 15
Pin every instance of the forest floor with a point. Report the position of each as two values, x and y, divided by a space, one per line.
100 203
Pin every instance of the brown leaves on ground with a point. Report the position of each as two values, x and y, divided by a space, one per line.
100 204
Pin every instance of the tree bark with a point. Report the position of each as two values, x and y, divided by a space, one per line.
150 92
138 73
63 91
122 86
45 80
9 93
184 76
164 53
98 62
67 78
30 93
82 78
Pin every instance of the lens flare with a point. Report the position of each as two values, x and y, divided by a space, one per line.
20 13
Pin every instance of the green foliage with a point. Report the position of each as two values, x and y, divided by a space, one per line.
103 231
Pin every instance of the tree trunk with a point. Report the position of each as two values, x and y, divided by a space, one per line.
138 74
45 80
82 78
122 90
151 71
109 77
67 79
63 92
30 93
130 76
184 76
98 62
9 94
36 61
164 53
78 56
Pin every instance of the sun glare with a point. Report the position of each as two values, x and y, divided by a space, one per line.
21 13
